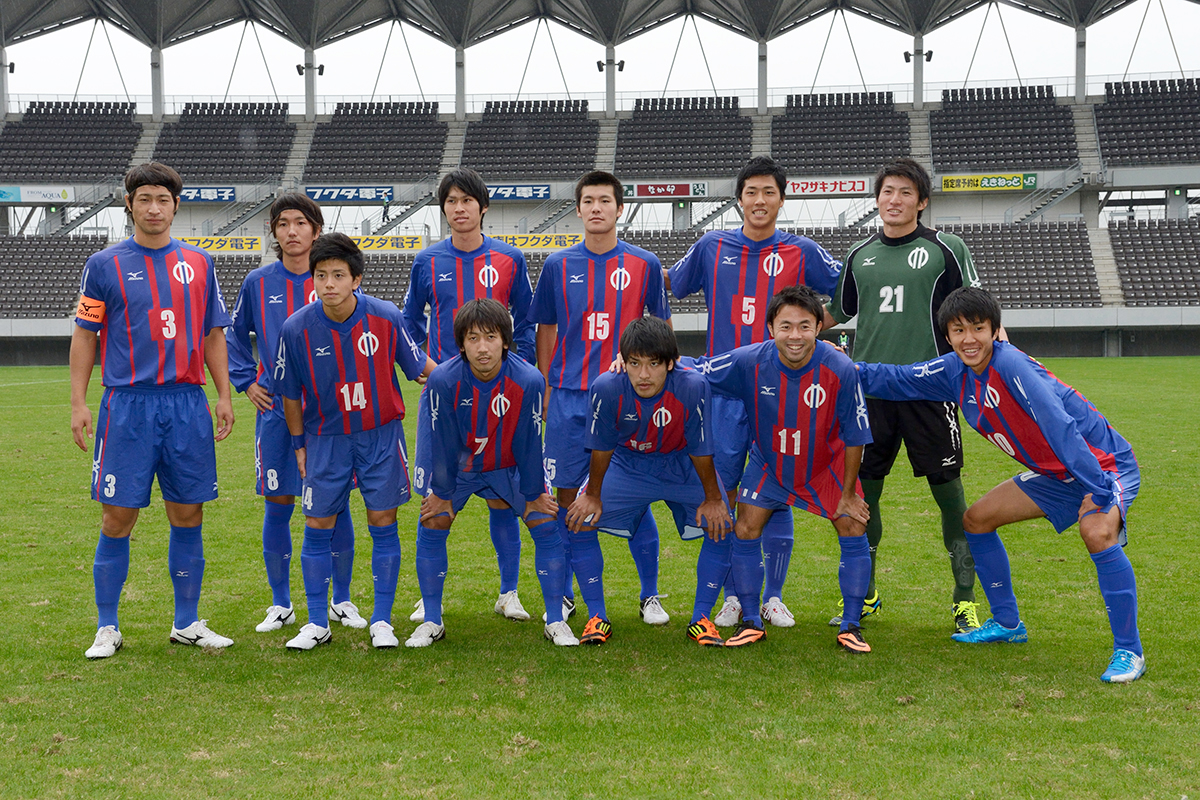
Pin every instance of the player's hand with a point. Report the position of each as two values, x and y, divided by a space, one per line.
262 399
421 379
584 512
432 506
618 364
81 426
853 507
716 514
224 419
545 504
301 457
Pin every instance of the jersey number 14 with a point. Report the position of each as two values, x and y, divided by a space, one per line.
353 395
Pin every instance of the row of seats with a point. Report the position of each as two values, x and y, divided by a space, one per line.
522 139
246 142
689 135
1127 138
855 134
1158 261
840 99
69 142
1002 128
380 141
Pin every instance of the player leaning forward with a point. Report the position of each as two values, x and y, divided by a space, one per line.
1080 468
156 305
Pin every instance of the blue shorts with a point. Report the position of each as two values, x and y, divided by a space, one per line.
423 455
629 488
564 456
734 441
275 467
1060 500
820 496
376 459
496 484
142 432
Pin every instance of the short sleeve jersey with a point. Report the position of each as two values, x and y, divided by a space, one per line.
672 424
591 297
343 370
895 287
152 309
484 426
739 276
444 278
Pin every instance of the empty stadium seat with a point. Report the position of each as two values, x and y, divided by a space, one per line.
1002 128
231 142
532 139
69 142
384 142
828 134
683 136
1150 122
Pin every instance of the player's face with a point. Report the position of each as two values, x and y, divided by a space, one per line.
899 203
599 209
484 351
335 285
795 331
972 342
761 201
153 208
648 375
295 233
462 211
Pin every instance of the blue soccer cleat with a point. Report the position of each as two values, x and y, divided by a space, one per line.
1124 667
993 631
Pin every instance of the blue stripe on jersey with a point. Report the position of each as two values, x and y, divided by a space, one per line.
269 295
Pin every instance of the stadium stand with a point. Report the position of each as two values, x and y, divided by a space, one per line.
1158 261
839 134
235 142
72 142
523 139
1150 122
39 276
386 142
231 271
386 275
687 136
1006 127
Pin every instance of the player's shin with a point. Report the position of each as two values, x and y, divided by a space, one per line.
506 538
342 547
854 573
185 561
109 572
432 563
777 541
587 561
385 568
872 491
746 564
712 565
1118 587
644 546
550 561
316 565
953 504
569 578
991 565
277 551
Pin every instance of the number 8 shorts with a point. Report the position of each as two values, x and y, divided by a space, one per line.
275 467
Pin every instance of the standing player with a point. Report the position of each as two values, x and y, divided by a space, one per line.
156 306
1080 469
808 425
651 439
894 282
337 357
445 276
269 295
585 297
486 418
739 272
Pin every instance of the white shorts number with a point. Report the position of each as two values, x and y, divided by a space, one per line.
551 471
272 480
420 478
110 485
308 497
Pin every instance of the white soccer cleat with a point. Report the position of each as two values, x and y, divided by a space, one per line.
568 607
509 605
426 634
309 637
199 635
383 636
277 617
418 616
347 614
730 613
777 614
108 641
652 612
560 633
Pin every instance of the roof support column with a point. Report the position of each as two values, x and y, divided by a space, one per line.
4 93
460 82
918 58
157 99
762 77
1081 64
610 81
310 85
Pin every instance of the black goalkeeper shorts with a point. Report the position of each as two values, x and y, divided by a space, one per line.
929 429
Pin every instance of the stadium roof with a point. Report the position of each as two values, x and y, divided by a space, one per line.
314 23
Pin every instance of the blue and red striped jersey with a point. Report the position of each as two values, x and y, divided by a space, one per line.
739 276
672 424
480 427
444 278
152 309
343 370
591 297
1019 406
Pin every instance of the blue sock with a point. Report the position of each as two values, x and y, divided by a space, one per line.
550 561
569 577
712 565
316 565
777 551
506 538
854 574
432 565
277 551
185 561
342 547
991 565
1118 587
643 546
587 560
385 567
746 564
109 571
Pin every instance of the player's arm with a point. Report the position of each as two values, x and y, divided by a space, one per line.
416 297
687 274
293 412
242 367
448 441
843 306
850 504
547 336
216 357
524 330
927 380
821 269
656 292
713 510
83 359
585 511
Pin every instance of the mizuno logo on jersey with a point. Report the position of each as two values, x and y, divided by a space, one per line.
631 417
576 279
445 277
275 298
135 276
869 261
728 261
768 391
466 402
322 351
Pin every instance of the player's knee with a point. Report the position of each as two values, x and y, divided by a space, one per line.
536 519
976 520
743 530
117 522
441 522
944 477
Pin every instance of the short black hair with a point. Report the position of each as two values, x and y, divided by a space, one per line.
485 315
152 173
762 165
803 297
970 304
600 178
905 168
340 247
295 201
469 182
650 337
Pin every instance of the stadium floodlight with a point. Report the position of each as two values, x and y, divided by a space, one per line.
929 55
12 67
908 56
599 66
300 68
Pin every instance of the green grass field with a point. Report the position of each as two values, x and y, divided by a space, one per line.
494 711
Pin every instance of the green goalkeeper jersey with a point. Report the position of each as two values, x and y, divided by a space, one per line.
895 287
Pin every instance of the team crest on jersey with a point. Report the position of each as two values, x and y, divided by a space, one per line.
918 258
773 265
183 272
500 405
312 296
662 418
815 396
992 398
620 279
489 276
368 343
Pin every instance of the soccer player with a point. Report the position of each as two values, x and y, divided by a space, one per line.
808 425
1080 469
651 439
445 276
585 296
268 296
486 421
343 409
894 282
739 272
155 305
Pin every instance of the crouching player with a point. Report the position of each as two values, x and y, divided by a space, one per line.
651 439
485 412
808 425
1080 468
337 357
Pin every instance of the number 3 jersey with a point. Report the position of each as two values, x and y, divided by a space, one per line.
152 309
343 370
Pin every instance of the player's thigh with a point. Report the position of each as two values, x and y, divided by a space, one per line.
565 458
274 459
329 475
931 435
880 454
1007 503
423 449
751 518
126 449
381 467
187 464
731 446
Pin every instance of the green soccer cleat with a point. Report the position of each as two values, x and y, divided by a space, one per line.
871 606
966 616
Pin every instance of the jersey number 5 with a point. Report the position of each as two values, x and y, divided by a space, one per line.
744 310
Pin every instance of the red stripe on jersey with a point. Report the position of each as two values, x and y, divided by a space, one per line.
180 309
632 301
435 330
670 437
385 405
1020 431
340 358
781 421
503 268
311 384
563 325
128 328
198 291
508 424
743 262
310 294
155 319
